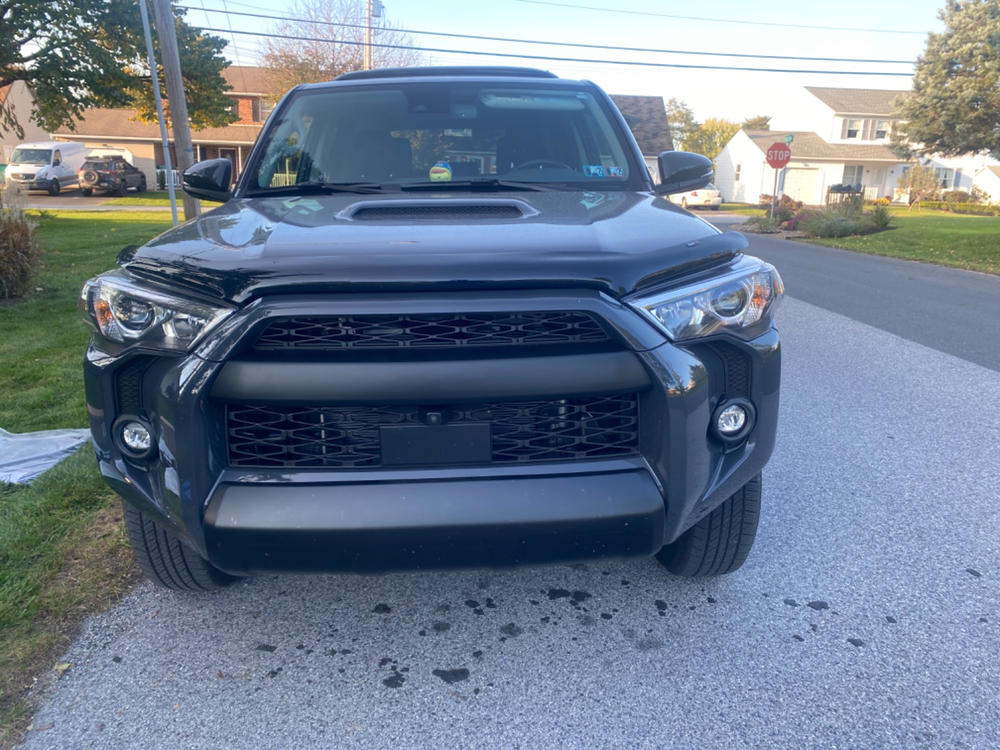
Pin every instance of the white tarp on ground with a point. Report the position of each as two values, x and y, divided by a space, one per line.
26 455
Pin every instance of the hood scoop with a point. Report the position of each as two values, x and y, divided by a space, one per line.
436 210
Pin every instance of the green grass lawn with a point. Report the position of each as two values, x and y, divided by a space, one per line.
970 242
744 209
157 198
63 554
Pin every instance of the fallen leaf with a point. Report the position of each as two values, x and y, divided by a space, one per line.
61 667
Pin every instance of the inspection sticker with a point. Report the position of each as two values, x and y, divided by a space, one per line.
593 170
614 171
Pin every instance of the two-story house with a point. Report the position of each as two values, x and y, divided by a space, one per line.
840 136
119 128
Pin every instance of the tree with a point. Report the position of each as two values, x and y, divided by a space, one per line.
920 180
760 122
680 120
328 43
711 136
77 54
954 107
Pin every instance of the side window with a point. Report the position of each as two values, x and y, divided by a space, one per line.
56 158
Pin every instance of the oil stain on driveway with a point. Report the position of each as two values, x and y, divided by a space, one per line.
866 616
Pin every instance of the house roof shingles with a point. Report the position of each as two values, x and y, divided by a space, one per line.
856 101
248 79
647 117
808 145
111 124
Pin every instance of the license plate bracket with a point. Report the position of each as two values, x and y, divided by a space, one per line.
436 445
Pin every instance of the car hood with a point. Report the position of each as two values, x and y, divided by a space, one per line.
615 242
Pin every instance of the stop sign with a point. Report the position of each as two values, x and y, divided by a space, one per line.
778 155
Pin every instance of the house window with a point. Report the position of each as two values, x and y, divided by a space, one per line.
853 128
736 177
852 174
235 108
255 109
945 177
881 129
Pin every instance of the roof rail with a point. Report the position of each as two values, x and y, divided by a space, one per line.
446 70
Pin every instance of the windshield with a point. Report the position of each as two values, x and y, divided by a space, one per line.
30 156
464 133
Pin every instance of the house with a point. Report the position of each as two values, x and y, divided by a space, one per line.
250 89
119 128
840 136
647 118
17 98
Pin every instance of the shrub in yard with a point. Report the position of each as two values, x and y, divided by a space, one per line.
784 209
19 250
883 201
955 196
762 224
802 216
881 216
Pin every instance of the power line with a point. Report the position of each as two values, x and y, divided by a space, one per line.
718 20
561 44
481 53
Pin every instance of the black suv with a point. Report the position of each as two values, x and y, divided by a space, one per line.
112 174
445 318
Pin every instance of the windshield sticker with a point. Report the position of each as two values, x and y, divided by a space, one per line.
593 170
441 172
614 171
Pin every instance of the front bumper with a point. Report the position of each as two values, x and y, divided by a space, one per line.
317 519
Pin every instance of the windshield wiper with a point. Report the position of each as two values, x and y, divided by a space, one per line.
314 187
481 184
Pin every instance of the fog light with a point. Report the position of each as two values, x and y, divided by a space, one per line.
733 420
134 438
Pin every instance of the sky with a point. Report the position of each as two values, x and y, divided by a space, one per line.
886 30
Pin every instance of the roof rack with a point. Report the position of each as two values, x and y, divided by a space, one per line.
446 70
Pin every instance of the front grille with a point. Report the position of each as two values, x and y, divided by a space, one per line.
347 437
431 331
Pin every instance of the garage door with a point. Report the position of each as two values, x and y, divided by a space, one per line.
802 185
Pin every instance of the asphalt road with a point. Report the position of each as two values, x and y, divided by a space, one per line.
868 614
947 309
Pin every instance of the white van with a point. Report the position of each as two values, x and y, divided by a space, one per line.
46 165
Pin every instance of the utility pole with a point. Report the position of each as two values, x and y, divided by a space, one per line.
159 110
368 35
167 32
373 9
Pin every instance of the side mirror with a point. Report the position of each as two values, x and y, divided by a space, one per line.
209 180
681 171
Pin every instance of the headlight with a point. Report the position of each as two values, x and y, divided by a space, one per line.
741 301
127 312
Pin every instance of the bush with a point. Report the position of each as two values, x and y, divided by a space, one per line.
762 224
19 250
976 209
881 216
802 216
883 201
785 208
955 196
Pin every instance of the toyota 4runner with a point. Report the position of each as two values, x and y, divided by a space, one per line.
444 318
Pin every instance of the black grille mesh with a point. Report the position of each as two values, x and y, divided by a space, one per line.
431 331
347 437
737 367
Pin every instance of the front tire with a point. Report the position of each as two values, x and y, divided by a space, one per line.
54 187
141 187
720 542
166 560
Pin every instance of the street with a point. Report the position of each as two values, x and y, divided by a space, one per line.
867 615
